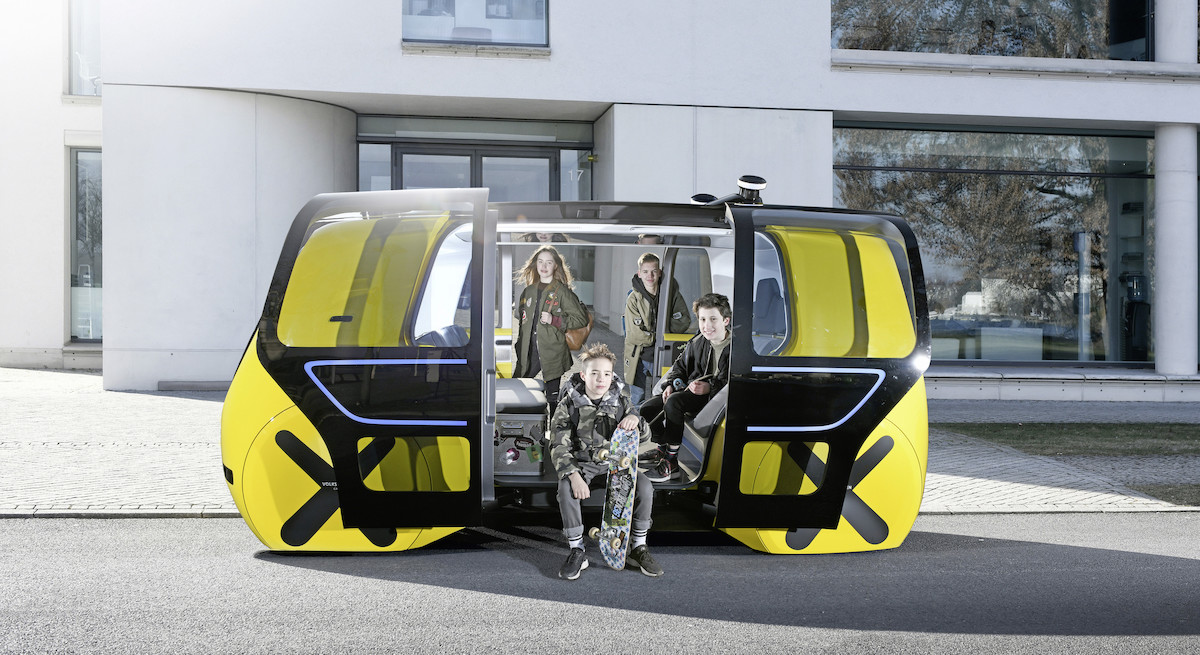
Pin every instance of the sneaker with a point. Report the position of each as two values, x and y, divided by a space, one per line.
641 558
576 562
652 455
663 471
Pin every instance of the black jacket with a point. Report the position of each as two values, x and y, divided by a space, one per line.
696 360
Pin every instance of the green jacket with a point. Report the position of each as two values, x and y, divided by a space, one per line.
581 427
568 313
641 319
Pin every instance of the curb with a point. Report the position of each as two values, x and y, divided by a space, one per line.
119 513
234 514
1170 509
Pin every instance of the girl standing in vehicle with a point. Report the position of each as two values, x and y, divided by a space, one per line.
546 309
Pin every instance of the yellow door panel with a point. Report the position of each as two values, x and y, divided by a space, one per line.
291 498
886 486
820 289
889 318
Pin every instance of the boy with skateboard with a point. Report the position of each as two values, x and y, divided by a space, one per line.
593 405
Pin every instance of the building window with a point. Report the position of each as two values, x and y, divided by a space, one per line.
1035 246
84 48
516 160
87 260
1084 29
474 22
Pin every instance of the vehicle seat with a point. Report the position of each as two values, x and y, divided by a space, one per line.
768 308
698 431
451 336
770 317
520 396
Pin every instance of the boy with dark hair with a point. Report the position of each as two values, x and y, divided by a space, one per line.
699 372
641 320
591 409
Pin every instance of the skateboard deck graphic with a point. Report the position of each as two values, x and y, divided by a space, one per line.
616 520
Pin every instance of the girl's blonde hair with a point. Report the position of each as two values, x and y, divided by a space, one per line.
528 274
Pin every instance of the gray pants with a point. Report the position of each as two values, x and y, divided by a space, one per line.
568 505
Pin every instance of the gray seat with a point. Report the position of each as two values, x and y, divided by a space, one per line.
520 396
769 315
698 431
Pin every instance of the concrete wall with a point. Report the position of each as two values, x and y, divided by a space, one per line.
675 52
39 124
667 154
199 188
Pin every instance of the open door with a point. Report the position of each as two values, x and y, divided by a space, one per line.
830 338
378 327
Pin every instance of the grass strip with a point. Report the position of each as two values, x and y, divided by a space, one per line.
1180 494
1054 439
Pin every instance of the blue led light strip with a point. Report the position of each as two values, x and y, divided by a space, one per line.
308 368
879 376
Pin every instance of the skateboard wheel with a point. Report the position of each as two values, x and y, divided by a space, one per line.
594 533
602 455
616 543
625 462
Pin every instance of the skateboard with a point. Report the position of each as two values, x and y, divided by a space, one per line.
616 520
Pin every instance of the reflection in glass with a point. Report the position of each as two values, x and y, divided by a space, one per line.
517 178
436 171
1019 264
374 167
87 255
84 48
576 175
444 314
493 22
1082 29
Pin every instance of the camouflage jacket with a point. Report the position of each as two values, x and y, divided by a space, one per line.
581 427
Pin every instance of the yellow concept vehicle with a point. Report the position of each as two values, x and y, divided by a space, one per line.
372 410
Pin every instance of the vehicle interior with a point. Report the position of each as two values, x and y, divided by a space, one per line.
696 258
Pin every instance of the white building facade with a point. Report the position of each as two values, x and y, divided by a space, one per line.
1054 188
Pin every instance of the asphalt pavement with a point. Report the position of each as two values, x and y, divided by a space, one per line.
981 584
71 449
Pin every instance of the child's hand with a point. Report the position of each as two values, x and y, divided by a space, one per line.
629 422
700 388
579 488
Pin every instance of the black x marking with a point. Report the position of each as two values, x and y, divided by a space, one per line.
315 512
857 513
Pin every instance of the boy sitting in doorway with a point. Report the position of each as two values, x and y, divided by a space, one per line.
701 370
592 407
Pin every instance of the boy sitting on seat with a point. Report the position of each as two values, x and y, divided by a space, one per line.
701 370
592 406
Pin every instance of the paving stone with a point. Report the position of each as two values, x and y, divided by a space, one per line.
69 448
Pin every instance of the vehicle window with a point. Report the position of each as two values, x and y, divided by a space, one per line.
693 275
768 327
365 283
841 294
444 315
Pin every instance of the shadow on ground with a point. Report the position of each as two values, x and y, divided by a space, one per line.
935 582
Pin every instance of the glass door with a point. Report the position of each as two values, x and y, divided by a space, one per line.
419 170
517 178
